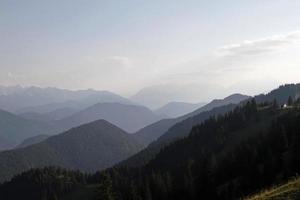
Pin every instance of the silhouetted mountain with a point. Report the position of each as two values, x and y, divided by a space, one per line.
90 147
5 144
32 140
154 131
128 117
177 109
51 107
35 99
50 116
15 129
36 116
61 113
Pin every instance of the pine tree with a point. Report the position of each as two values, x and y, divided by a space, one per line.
148 194
275 104
105 190
290 101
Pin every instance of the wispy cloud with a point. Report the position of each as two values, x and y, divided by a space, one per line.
260 46
115 62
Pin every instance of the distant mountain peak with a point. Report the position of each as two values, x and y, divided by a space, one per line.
128 117
100 123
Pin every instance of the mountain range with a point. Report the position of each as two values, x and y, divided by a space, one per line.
99 144
228 152
19 99
15 129
50 116
35 146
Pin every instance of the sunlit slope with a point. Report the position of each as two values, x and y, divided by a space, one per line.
288 191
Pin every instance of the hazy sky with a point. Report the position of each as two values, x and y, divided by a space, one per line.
244 46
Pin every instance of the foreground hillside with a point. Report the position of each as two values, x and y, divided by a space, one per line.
287 191
90 147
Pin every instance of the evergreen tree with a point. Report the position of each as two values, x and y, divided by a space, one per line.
290 101
275 104
105 189
148 194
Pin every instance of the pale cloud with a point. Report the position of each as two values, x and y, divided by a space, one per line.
121 60
15 76
260 46
114 62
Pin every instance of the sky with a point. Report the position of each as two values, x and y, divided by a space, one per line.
197 49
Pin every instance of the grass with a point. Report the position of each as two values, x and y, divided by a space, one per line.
288 191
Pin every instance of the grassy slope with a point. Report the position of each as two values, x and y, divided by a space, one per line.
288 191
